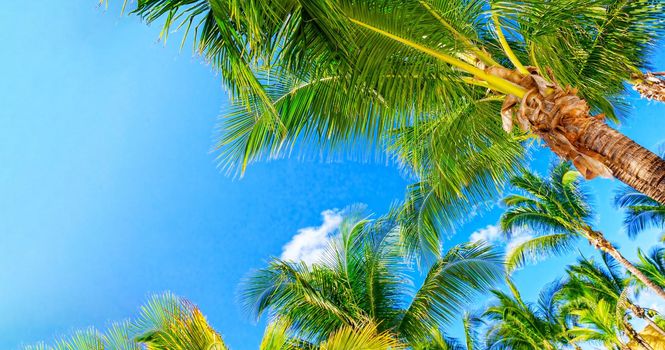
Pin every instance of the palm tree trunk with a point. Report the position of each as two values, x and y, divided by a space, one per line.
629 162
598 240
641 313
634 336
564 121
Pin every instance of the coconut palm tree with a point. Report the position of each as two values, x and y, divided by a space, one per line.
653 265
641 212
437 340
165 322
117 337
596 318
362 278
515 324
278 336
350 76
168 322
605 281
557 211
173 323
595 321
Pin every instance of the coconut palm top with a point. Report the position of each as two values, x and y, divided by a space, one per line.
362 278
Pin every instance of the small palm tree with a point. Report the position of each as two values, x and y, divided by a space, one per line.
641 211
168 322
515 324
605 281
278 336
363 279
557 210
118 337
595 321
165 322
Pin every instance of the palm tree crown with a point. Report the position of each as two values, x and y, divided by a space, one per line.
556 210
516 324
363 279
349 76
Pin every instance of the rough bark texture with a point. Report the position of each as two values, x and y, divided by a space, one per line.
564 121
598 240
629 162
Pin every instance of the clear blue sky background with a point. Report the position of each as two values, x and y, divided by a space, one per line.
109 192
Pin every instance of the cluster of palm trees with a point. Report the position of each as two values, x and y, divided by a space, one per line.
456 92
365 292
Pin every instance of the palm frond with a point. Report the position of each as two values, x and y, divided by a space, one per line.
462 273
169 322
641 212
653 265
365 337
594 45
277 336
537 248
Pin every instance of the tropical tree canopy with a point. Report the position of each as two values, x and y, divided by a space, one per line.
165 322
516 324
556 210
173 323
597 298
363 279
352 78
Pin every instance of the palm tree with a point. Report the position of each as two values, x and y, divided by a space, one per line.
594 320
515 324
641 211
165 322
278 336
557 210
607 282
168 322
118 337
173 323
351 76
363 279
653 265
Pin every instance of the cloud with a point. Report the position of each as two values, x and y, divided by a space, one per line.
518 238
309 244
493 234
489 234
650 300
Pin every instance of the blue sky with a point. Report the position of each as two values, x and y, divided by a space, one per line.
109 191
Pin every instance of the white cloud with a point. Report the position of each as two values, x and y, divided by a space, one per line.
489 234
309 244
493 234
517 238
650 300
